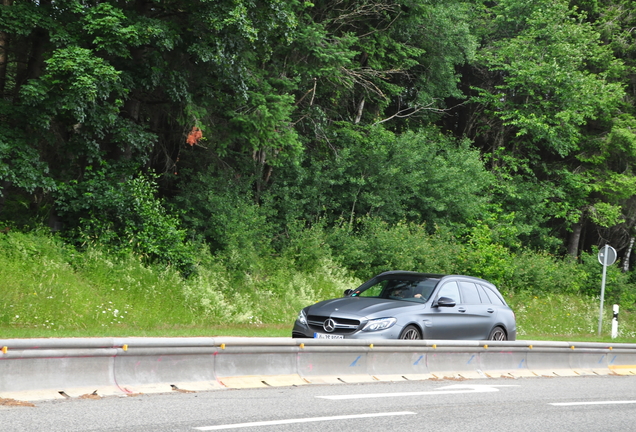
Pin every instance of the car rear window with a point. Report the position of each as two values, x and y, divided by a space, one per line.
484 295
494 298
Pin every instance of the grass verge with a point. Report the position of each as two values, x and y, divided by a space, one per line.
51 290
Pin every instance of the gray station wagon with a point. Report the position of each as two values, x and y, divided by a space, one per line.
409 305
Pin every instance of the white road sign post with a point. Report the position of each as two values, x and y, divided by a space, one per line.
615 321
606 256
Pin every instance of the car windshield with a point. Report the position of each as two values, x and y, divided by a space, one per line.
398 288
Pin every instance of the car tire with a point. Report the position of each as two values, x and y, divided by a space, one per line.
498 334
410 332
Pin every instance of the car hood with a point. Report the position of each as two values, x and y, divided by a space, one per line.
360 307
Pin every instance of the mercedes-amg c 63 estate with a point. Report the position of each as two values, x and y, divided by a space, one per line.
409 305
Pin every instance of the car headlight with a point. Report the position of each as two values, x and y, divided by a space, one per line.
302 317
379 324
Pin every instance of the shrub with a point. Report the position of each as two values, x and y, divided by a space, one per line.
374 246
125 216
619 286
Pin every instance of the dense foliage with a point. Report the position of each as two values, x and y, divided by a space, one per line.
252 130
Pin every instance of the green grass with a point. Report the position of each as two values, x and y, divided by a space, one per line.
51 290
568 317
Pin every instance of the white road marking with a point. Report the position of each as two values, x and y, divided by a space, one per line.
302 420
593 403
452 389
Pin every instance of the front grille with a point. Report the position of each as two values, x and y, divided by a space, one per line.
344 321
343 325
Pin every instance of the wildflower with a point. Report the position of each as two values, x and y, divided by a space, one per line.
194 136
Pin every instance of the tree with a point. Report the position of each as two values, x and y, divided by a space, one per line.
421 177
548 90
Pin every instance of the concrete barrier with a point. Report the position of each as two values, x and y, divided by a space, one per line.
622 361
32 369
398 363
54 375
586 361
333 364
257 366
454 363
151 370
507 362
547 361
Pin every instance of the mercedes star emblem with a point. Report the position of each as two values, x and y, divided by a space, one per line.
329 325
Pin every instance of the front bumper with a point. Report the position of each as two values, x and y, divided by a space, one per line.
303 331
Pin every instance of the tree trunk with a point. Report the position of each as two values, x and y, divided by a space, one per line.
3 194
4 43
4 58
628 254
39 39
359 111
30 61
575 239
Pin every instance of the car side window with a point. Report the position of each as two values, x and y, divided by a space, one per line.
494 298
469 293
450 290
425 288
484 295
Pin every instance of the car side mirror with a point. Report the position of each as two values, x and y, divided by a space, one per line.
348 292
445 302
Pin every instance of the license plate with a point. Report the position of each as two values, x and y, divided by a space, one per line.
327 336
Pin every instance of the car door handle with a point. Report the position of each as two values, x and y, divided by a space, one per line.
490 310
461 309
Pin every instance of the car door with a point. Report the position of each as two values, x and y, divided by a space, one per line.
445 322
477 317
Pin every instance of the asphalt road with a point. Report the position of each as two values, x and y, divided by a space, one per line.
594 403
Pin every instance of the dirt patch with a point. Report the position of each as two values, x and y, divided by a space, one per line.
507 377
13 402
455 378
448 378
177 389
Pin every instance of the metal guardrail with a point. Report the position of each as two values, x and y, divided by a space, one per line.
32 369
